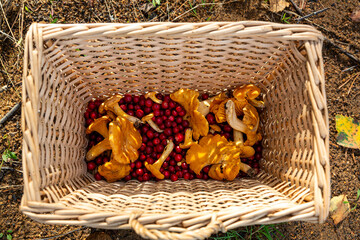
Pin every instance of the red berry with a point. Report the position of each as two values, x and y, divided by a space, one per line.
174 177
171 168
132 165
171 138
179 174
178 157
136 99
143 146
145 139
142 102
251 158
150 160
173 124
227 128
138 164
167 112
166 174
165 164
192 176
156 141
205 177
172 104
91 166
179 109
182 113
153 155
211 118
159 148
139 171
179 137
167 98
98 102
165 105
140 178
142 157
227 135
156 106
164 142
147 110
97 176
93 115
127 178
158 121
184 165
176 130
258 156
148 150
91 105
146 177
139 113
185 123
92 143
87 114
172 162
150 134
133 174
258 149
186 176
204 96
179 120
156 113
171 118
159 96
167 131
99 161
148 102
206 169
131 112
174 113
128 98
199 176
178 149
105 159
99 138
122 101
130 107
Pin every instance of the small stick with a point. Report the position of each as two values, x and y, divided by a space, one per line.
10 113
11 186
247 169
312 14
63 234
352 84
351 77
298 10
352 57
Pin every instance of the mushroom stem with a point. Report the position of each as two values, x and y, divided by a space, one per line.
238 138
204 106
148 119
188 142
155 168
257 103
99 148
152 96
247 169
112 105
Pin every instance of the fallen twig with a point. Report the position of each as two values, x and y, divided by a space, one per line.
352 57
10 113
298 10
9 168
312 14
11 186
352 83
63 234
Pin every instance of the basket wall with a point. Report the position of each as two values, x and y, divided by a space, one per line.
67 65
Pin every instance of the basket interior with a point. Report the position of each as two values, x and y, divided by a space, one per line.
76 70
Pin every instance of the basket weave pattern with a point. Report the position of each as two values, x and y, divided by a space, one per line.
65 66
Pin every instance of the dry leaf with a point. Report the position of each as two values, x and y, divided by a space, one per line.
339 208
349 131
278 5
355 16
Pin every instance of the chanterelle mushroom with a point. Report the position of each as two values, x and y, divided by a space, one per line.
249 125
152 96
204 106
112 104
148 119
113 171
249 92
99 125
189 100
155 168
188 139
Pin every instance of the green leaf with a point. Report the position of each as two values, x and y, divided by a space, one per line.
55 20
8 237
1 235
349 131
358 194
10 231
345 202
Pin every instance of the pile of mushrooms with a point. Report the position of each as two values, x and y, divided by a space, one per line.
214 150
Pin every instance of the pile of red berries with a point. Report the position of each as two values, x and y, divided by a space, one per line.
169 116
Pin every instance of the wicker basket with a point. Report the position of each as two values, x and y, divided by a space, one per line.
65 66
